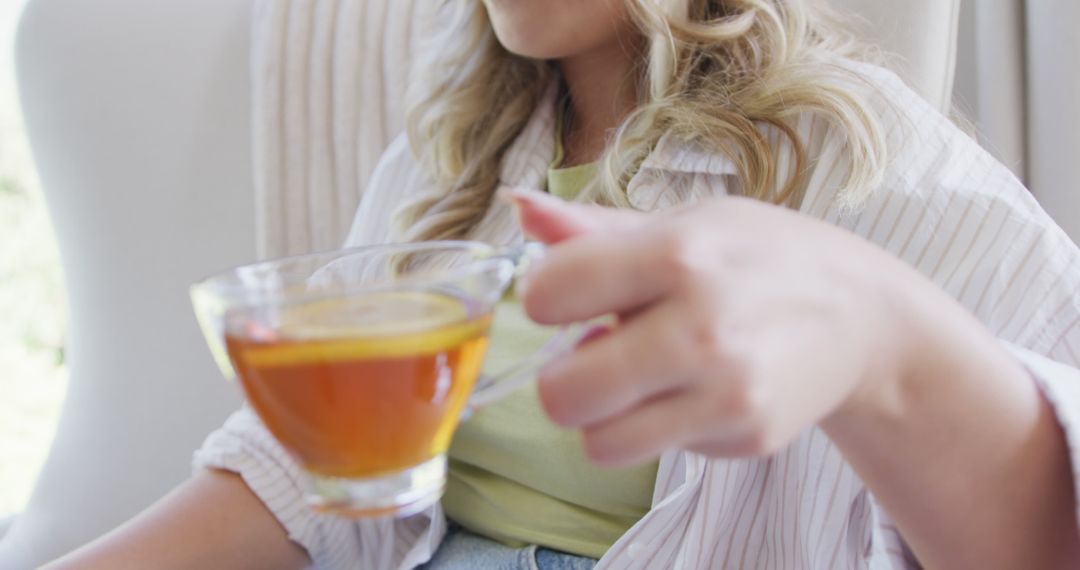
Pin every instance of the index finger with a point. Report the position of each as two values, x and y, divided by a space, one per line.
594 275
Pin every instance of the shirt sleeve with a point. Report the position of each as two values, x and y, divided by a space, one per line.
244 446
1060 384
949 209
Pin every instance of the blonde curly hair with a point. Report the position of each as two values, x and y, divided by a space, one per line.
714 73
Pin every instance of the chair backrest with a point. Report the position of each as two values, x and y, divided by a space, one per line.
921 34
139 119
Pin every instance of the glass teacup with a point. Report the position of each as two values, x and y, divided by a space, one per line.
361 362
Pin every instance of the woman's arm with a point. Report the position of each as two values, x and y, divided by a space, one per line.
744 324
960 447
211 521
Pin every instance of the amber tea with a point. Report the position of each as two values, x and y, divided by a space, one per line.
363 386
362 362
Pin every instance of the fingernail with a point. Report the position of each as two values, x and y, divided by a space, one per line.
595 332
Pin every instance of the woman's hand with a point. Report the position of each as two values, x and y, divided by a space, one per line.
741 324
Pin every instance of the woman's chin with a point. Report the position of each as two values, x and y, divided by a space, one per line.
530 47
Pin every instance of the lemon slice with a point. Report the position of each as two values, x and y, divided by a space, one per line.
384 313
389 324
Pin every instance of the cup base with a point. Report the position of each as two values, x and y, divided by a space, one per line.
399 495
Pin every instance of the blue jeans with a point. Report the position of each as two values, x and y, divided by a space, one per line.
463 550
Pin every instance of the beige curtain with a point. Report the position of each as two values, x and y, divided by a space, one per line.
1018 79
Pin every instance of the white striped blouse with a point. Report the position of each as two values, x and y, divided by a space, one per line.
946 207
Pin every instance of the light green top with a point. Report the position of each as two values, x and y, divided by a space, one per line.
567 182
519 479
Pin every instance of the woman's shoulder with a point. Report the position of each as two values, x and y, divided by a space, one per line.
924 149
398 165
398 177
951 210
809 142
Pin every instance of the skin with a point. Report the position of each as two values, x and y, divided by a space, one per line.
717 353
742 361
594 43
210 521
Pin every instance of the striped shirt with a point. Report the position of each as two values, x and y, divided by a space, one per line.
945 206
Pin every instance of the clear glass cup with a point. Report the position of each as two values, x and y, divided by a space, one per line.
361 362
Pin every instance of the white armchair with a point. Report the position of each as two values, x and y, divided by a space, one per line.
138 115
140 121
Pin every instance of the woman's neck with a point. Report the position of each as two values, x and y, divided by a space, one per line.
602 94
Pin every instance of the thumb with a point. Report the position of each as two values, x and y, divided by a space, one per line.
548 219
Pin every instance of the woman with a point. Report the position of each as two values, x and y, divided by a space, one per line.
817 389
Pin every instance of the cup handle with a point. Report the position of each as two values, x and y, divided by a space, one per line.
491 388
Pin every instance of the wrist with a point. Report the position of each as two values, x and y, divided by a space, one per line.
926 351
897 307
